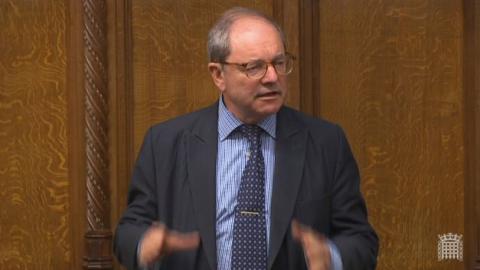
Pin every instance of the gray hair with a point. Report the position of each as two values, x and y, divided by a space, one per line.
218 44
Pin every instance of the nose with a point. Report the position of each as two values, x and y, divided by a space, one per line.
271 74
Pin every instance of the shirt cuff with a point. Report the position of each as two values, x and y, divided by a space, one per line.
335 258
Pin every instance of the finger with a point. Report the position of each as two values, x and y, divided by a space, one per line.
295 230
152 243
314 244
318 252
299 234
176 241
298 230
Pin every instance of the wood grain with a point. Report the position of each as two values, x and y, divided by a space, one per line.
120 106
287 14
309 61
34 187
391 75
76 132
472 132
170 75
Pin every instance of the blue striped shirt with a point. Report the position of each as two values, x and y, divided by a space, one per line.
231 160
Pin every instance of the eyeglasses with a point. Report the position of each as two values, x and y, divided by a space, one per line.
283 65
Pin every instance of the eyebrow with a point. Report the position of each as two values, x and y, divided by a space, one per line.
262 60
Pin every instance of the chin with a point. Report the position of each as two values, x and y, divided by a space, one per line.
271 109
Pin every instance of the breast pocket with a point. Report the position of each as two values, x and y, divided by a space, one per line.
314 213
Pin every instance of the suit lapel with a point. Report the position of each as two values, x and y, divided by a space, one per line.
202 157
289 155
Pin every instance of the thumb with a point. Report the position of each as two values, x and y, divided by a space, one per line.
298 230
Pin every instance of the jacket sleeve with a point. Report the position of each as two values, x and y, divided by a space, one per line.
352 234
141 210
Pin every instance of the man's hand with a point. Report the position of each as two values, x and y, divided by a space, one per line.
159 241
315 246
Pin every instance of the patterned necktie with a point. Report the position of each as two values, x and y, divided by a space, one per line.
249 249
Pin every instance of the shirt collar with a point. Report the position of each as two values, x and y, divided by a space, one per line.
227 122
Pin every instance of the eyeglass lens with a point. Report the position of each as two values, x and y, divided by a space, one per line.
257 69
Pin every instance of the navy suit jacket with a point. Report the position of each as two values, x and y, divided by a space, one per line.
316 181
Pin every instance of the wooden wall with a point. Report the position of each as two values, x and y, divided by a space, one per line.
471 79
401 77
391 74
34 184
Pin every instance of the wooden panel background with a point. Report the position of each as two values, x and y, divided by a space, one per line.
472 132
391 75
34 184
76 131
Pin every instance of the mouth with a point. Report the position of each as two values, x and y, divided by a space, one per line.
269 94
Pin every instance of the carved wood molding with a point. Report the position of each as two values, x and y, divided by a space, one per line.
472 132
98 236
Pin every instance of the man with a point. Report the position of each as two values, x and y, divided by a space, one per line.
246 183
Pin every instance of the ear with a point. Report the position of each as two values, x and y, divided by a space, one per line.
217 74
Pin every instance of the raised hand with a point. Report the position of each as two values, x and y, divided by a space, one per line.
315 246
159 241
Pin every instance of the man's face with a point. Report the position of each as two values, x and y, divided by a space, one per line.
250 99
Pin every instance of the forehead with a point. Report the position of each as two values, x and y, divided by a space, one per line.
255 38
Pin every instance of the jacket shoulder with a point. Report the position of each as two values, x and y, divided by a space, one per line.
186 122
319 128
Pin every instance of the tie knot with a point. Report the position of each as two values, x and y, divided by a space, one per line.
251 132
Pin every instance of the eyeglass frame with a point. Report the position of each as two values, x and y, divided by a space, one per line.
243 66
